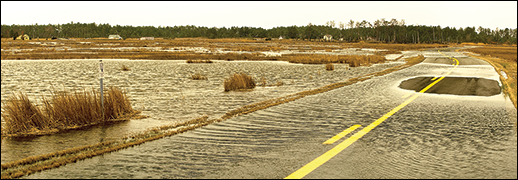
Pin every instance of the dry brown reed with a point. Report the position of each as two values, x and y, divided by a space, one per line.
198 76
279 83
263 81
508 53
65 110
125 68
352 60
239 81
329 67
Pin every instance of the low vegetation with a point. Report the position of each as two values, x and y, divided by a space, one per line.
352 60
502 52
329 67
198 76
239 81
199 61
65 110
125 68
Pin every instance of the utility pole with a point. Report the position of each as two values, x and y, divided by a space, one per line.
101 78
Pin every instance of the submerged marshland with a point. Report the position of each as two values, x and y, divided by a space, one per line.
166 91
162 90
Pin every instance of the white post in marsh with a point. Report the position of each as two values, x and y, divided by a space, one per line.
102 75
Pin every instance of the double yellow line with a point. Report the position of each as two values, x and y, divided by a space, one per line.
308 168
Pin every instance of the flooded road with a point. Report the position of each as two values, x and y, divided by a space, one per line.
434 136
162 89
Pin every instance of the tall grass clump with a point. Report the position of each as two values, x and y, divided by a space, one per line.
64 110
198 76
125 68
330 67
239 81
21 115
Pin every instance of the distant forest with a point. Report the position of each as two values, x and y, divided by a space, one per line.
392 31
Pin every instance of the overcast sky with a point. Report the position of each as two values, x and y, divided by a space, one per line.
269 14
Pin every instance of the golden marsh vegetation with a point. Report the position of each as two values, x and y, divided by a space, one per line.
65 110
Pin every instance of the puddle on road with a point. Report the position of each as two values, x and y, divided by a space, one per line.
454 85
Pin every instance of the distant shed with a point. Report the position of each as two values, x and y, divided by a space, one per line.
114 37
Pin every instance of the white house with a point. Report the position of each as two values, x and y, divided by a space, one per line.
328 37
114 37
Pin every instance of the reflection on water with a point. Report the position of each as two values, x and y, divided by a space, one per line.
162 89
454 85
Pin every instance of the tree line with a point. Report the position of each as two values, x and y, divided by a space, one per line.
381 30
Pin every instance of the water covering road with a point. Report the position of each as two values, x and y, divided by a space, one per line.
435 136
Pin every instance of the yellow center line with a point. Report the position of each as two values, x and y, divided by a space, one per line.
308 168
406 95
342 134
433 78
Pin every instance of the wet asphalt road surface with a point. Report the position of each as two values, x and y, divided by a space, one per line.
434 136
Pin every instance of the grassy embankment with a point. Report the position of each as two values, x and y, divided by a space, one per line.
502 58
65 110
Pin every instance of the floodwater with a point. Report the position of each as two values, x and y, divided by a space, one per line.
435 136
162 89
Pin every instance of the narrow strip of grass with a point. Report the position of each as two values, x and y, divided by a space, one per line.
198 61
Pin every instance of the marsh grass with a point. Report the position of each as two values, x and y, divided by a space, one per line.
352 60
198 76
64 110
125 68
279 83
502 58
198 61
263 82
239 81
329 67
508 53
